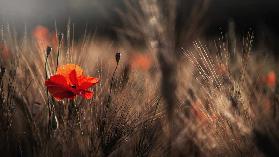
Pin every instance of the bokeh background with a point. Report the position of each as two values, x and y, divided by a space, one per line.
259 15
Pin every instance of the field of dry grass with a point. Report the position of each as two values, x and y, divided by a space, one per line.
167 96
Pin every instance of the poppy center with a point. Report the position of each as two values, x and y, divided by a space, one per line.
74 86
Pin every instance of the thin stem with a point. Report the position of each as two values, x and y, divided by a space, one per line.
46 77
46 61
48 102
112 79
57 58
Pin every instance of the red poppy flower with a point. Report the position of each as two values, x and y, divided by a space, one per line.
41 33
141 61
4 51
271 79
69 81
45 38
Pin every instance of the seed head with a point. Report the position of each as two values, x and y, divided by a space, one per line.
117 57
60 37
48 50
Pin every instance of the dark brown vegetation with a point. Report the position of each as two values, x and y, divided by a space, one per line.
213 99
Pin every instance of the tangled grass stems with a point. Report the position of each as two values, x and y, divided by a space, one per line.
213 106
218 107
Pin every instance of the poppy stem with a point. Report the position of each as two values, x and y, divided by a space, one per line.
57 59
46 61
117 58
112 79
46 77
73 114
48 102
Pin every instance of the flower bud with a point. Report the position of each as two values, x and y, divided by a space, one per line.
48 50
60 37
117 57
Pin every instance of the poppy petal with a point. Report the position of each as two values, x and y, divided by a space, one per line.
58 87
87 82
60 96
73 77
87 94
65 70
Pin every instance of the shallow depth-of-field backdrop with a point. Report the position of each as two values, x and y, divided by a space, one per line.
175 78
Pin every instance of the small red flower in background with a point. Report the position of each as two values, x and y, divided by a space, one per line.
69 81
271 79
41 33
4 51
44 37
141 61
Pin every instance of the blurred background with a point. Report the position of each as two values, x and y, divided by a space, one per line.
100 15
